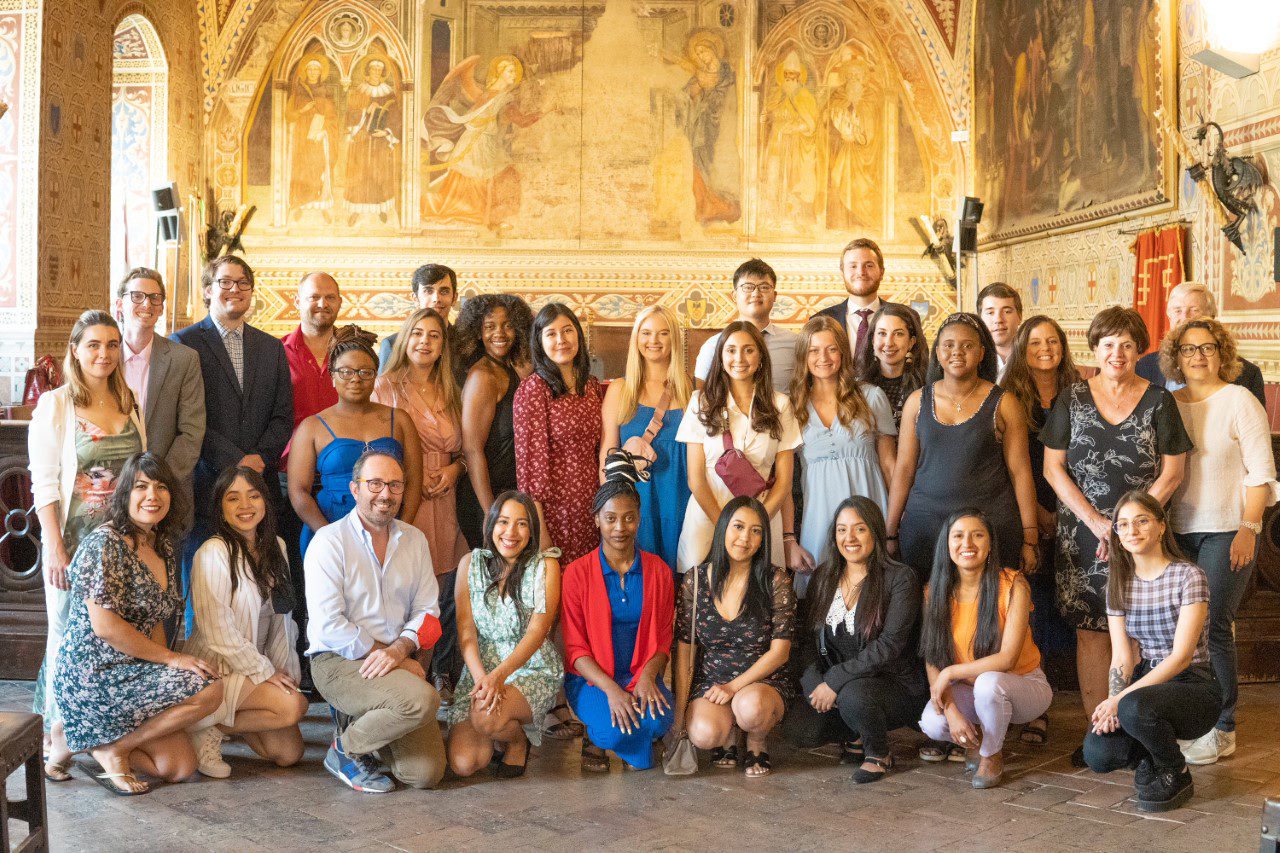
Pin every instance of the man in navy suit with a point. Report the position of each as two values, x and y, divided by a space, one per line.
1189 301
862 267
248 394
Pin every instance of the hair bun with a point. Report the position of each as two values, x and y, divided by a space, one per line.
352 335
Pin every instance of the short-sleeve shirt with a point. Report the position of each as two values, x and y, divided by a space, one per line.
760 448
781 344
1151 615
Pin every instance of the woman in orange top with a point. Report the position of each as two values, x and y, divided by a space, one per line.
975 638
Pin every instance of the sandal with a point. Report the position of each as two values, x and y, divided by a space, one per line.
107 780
57 771
933 751
1036 732
594 759
862 776
851 752
756 764
564 729
955 752
724 757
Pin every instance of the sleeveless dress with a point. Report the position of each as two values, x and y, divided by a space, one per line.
499 630
960 466
334 464
500 453
664 498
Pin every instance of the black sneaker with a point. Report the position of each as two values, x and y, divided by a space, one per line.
1144 774
1167 791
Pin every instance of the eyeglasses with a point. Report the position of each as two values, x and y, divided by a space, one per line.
137 297
376 486
762 289
234 284
1189 350
1142 522
346 374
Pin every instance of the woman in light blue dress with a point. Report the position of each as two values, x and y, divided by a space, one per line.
507 596
655 375
850 439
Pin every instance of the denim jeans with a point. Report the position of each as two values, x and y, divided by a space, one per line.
1153 719
1212 553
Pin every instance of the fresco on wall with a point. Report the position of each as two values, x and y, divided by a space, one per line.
1064 92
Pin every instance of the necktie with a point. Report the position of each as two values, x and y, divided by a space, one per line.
863 326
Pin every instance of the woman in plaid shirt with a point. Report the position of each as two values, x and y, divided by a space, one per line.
1159 599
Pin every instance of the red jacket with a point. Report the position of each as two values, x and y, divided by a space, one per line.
587 620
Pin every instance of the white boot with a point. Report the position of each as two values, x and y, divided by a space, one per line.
208 746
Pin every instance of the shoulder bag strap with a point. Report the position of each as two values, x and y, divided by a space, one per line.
659 412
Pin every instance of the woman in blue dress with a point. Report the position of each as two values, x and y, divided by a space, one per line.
656 380
329 442
617 609
850 440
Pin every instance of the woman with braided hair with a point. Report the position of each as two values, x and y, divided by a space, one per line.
329 442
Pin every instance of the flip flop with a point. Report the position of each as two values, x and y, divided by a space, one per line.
106 780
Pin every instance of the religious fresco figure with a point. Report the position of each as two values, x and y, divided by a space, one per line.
790 164
469 131
373 119
312 117
709 123
853 114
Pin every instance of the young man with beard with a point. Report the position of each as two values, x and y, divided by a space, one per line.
862 268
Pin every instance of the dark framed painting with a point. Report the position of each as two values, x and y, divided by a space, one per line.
1064 101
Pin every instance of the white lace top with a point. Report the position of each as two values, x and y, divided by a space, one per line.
839 612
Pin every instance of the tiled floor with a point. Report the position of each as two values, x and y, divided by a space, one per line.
809 803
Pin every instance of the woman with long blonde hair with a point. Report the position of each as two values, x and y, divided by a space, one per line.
642 413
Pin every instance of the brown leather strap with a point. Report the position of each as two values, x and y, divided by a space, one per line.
659 412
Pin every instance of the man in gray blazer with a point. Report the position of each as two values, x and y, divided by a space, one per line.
164 377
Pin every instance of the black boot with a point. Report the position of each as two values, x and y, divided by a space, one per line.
1168 790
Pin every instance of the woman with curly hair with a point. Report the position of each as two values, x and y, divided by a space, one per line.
492 335
330 441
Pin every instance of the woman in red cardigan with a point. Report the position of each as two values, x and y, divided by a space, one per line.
617 608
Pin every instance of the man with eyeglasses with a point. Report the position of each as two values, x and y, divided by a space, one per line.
248 394
862 268
374 601
1189 301
164 377
434 286
755 289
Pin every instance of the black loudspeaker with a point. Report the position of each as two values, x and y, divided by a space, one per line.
165 200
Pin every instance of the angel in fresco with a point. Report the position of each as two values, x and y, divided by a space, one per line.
312 116
710 115
469 130
791 118
373 117
853 114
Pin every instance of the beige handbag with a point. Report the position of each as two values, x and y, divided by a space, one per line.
682 759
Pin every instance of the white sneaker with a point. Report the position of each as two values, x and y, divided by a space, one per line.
1210 747
208 746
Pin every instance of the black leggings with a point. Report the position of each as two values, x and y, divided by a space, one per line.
867 707
1153 719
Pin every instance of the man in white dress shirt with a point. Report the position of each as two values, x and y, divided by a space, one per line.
755 289
370 592
1000 307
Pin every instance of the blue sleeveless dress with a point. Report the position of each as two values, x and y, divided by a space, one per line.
664 498
334 465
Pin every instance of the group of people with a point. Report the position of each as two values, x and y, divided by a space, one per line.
833 533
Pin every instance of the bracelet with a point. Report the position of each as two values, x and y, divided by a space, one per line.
788 537
1251 525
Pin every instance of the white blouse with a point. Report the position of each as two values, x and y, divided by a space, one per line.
840 612
1232 453
760 448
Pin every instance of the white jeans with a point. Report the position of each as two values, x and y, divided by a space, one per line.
994 700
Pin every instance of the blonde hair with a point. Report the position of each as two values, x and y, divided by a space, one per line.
677 376
851 405
398 365
76 382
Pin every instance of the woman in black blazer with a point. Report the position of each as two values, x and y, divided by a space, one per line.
860 676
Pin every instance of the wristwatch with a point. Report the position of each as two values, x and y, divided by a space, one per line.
1251 525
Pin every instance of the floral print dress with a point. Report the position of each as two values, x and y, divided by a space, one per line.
499 629
102 693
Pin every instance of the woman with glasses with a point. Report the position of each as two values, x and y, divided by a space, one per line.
329 442
1216 513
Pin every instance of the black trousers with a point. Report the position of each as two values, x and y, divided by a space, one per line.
1153 720
445 657
869 708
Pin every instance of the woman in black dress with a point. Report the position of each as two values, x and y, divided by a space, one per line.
1107 436
738 680
963 443
492 337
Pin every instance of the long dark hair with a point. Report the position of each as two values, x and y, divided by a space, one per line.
262 563
988 368
508 586
758 599
1120 562
873 600
542 363
937 645
468 331
168 532
1018 379
917 361
713 405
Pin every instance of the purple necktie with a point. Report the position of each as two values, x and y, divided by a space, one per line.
864 325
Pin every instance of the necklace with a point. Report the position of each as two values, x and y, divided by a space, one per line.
963 399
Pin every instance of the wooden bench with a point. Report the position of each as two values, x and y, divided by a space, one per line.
21 742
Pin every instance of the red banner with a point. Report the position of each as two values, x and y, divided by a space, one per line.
1160 268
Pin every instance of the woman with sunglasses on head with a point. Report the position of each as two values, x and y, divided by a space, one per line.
1160 601
741 611
861 677
329 442
975 638
1216 513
